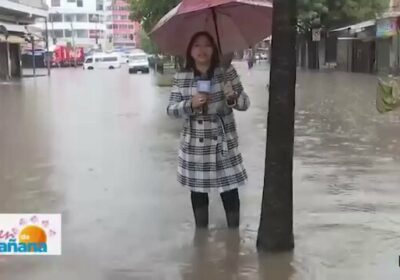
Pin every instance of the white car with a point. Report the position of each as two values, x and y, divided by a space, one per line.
138 62
102 61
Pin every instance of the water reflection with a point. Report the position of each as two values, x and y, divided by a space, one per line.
214 256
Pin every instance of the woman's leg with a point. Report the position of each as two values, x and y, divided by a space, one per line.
231 202
200 208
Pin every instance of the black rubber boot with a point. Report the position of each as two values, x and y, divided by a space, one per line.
231 203
201 217
200 209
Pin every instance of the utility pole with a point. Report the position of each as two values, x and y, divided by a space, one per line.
48 57
33 55
73 42
96 30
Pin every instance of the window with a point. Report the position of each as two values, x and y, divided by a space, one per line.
82 33
109 59
55 18
109 26
131 26
115 26
55 3
106 59
79 3
137 57
68 33
81 18
89 60
71 1
94 18
57 33
69 18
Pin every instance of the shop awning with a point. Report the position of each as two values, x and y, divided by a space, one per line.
15 7
13 27
12 39
355 28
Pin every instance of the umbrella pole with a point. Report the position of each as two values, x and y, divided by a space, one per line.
216 29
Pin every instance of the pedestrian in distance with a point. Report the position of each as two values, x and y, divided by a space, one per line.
205 95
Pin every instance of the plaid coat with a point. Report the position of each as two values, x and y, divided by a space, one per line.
208 154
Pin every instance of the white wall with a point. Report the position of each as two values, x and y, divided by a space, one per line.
89 6
33 3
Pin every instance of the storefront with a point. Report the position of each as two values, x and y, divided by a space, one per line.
11 38
15 18
388 47
356 47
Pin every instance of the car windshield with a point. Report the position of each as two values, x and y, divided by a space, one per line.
138 57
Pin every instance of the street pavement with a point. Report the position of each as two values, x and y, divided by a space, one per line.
98 147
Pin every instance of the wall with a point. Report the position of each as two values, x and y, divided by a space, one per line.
3 61
68 7
84 28
344 55
383 55
33 3
121 9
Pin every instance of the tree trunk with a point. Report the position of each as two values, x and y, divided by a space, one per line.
276 223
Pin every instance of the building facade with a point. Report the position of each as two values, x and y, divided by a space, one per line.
77 22
121 31
15 17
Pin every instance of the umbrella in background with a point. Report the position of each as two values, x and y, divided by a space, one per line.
235 24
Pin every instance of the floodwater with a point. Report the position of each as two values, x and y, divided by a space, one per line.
97 147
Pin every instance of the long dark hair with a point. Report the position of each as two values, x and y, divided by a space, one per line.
190 63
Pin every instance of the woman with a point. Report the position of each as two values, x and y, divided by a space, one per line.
208 156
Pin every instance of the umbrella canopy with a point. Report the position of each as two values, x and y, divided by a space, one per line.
235 24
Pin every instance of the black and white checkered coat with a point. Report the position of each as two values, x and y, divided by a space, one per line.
209 157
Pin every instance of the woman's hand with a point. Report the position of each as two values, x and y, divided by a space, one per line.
230 95
199 100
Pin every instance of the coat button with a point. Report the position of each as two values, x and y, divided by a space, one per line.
200 122
201 140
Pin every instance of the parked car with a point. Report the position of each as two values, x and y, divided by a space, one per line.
102 61
138 62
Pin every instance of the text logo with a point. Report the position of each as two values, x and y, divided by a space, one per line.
30 234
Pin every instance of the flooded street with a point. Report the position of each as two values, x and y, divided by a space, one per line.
98 147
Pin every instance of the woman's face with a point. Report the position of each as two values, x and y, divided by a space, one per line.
202 50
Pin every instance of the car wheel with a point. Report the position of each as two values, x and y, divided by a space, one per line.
90 68
130 71
111 67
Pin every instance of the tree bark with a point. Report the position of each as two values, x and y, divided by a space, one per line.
276 223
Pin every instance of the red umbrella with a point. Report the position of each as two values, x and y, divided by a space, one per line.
235 24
